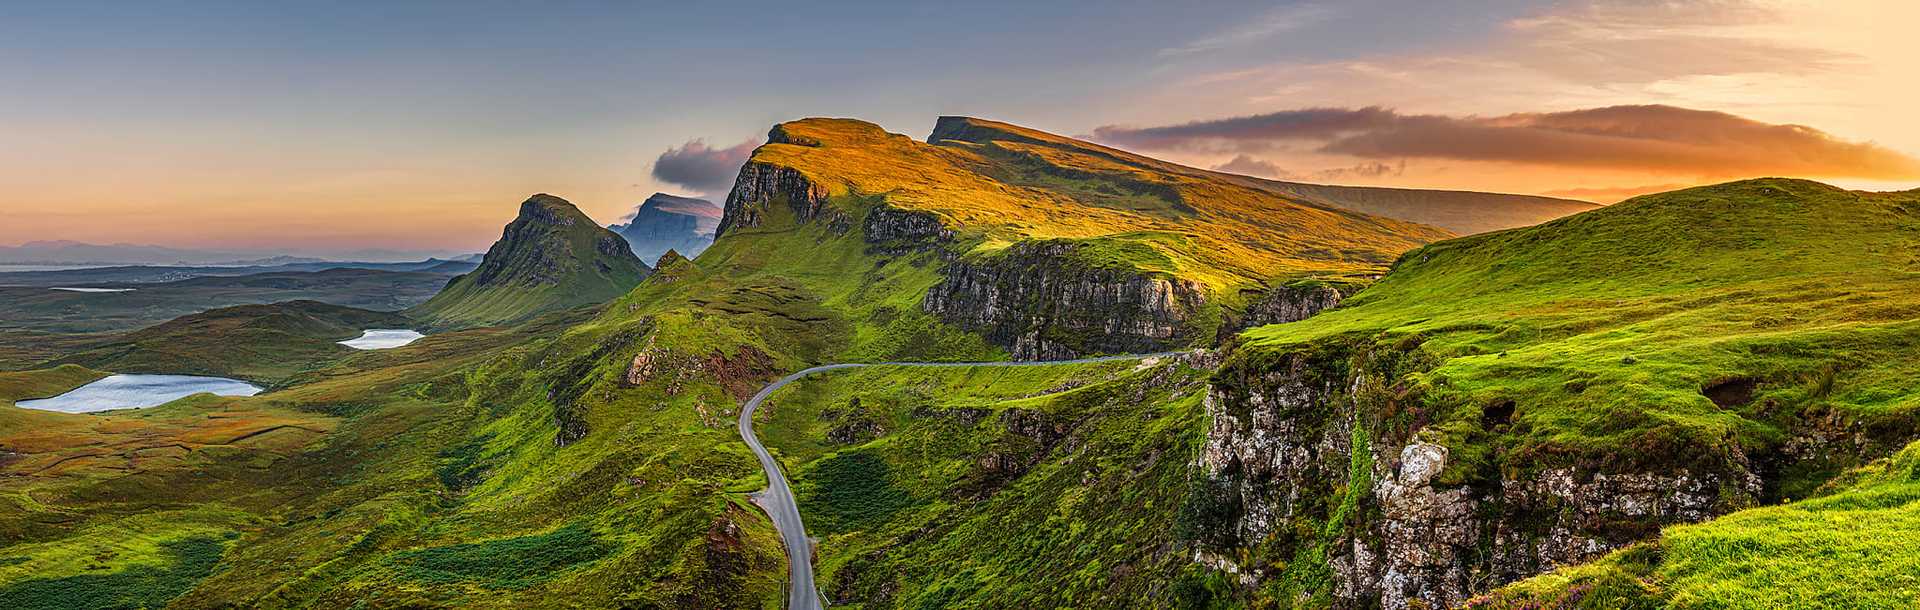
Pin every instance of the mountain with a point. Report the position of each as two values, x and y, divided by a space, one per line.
668 222
1055 238
550 257
1459 212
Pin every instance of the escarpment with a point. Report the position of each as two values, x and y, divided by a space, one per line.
1038 301
1328 454
761 185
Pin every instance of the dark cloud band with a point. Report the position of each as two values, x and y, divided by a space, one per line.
702 168
1658 138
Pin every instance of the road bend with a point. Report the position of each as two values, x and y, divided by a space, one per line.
777 499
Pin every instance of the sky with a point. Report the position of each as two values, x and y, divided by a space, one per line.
420 126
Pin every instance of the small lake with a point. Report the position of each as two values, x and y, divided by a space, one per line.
71 289
137 392
383 338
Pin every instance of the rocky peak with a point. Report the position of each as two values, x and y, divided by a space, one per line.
551 255
670 222
548 209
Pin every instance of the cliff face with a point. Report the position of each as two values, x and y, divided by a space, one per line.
1318 454
666 222
1040 303
762 184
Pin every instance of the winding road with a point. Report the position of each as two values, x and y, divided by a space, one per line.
777 498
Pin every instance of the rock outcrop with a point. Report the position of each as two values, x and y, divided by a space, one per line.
762 184
1040 302
1282 304
1310 458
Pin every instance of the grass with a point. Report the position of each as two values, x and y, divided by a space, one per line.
993 487
1603 332
511 563
261 343
853 489
16 386
1850 548
1018 184
138 562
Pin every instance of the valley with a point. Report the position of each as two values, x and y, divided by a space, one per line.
1003 368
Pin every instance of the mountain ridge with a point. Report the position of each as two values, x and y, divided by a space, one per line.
1460 212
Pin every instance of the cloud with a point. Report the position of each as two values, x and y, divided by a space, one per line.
1278 20
702 168
1258 132
1662 139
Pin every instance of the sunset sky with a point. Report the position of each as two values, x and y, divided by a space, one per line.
327 129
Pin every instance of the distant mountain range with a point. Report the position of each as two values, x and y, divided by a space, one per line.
67 252
670 222
173 273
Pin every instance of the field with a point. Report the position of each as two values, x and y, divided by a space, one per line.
1722 316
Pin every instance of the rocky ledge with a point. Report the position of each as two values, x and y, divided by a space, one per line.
1037 301
1305 459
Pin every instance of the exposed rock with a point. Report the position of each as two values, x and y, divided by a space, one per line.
738 374
1283 432
1040 303
894 231
763 184
1282 304
854 424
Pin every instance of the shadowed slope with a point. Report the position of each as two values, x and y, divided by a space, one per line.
550 257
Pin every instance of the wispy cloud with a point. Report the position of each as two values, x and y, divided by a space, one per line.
1276 21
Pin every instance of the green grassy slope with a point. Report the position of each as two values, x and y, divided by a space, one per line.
1460 212
262 343
1852 547
998 190
38 324
1790 301
1051 486
16 386
41 309
550 257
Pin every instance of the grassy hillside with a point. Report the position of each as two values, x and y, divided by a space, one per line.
1459 212
1050 486
1021 184
550 257
41 309
262 343
1851 547
1722 315
16 386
